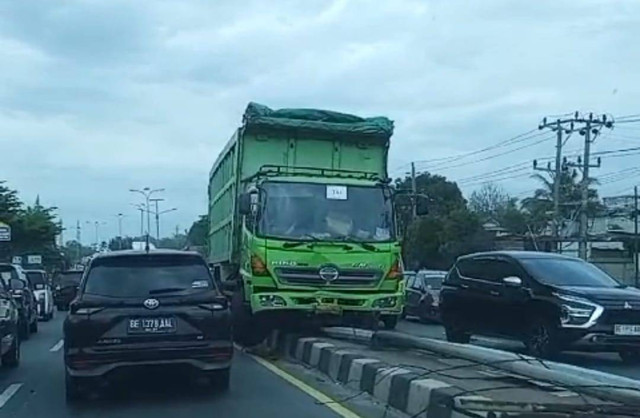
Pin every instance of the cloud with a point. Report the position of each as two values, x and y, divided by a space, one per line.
97 97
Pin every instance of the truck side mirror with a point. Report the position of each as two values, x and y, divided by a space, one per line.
244 204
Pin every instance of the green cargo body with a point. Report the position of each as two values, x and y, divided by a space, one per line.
302 147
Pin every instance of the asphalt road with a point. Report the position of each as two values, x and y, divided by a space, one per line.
604 362
38 390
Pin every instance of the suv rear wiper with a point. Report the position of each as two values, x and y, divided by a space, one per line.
166 290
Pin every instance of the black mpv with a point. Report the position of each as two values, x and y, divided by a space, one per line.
158 309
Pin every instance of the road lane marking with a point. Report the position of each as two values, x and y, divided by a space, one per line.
314 393
57 347
8 393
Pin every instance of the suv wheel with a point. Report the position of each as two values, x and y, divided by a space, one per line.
73 388
541 339
12 357
455 333
630 356
220 379
24 330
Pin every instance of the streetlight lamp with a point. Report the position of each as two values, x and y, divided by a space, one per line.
147 192
157 215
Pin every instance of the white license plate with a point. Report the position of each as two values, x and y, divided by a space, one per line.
626 329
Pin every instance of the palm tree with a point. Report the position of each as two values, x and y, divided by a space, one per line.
540 205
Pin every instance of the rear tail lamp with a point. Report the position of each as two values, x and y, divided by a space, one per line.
258 268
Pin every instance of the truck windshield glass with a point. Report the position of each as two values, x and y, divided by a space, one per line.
562 272
305 211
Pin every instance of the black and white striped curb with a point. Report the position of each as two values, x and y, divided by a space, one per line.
398 387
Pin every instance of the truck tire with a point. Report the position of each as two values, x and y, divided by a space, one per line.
12 357
246 327
390 321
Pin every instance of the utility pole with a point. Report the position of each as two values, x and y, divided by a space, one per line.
120 216
414 191
589 127
635 232
556 126
140 207
79 239
147 192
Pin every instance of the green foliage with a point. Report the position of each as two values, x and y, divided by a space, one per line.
449 230
120 243
34 229
197 235
492 203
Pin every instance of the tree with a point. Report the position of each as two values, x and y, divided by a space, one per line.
540 206
10 204
492 203
198 233
449 230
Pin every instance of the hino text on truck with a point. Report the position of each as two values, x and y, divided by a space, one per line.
301 221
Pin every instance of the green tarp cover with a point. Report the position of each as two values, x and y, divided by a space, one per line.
316 120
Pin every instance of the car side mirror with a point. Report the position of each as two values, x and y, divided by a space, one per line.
512 281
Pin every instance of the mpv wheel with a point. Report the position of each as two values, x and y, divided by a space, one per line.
455 333
220 379
630 356
541 339
73 388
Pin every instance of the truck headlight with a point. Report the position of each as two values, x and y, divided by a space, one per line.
271 300
388 302
578 312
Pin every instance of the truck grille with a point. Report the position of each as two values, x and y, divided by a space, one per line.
311 276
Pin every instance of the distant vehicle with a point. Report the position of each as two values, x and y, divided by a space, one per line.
423 295
39 280
9 325
66 286
18 285
147 309
550 302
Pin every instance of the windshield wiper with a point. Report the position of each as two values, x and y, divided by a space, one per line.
167 290
314 240
351 240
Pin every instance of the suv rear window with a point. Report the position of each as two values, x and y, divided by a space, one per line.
36 277
142 276
70 278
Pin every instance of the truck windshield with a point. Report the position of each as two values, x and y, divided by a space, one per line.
306 211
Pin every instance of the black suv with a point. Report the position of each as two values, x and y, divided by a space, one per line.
65 288
146 309
22 292
548 301
9 323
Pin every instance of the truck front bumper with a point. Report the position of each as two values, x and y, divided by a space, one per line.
329 302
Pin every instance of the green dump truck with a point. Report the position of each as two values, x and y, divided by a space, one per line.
301 221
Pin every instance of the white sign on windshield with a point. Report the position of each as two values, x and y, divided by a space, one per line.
337 192
34 259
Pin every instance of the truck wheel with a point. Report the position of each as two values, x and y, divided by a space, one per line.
455 333
247 330
541 339
390 321
12 357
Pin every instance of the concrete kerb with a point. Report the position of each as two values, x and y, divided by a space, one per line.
598 384
392 385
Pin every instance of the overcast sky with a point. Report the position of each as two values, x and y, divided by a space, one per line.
97 97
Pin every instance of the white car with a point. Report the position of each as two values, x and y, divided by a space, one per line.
39 281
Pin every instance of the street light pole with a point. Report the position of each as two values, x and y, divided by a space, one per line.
157 215
147 192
